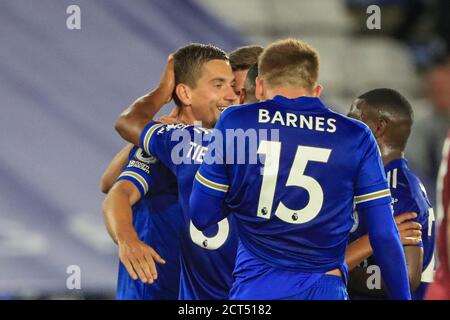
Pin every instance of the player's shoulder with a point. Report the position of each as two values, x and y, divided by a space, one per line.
132 152
163 128
417 187
350 123
239 110
180 128
405 182
138 154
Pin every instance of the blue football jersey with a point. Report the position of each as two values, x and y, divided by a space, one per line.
293 195
409 195
157 221
207 258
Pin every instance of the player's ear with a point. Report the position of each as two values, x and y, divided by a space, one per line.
184 94
242 96
381 126
259 89
378 126
317 91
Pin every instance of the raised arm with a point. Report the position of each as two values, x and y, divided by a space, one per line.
133 120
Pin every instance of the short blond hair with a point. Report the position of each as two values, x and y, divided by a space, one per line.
290 62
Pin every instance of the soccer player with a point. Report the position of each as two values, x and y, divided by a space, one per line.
390 117
241 59
203 88
294 209
440 288
143 217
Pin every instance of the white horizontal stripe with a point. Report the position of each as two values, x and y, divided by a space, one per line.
148 136
372 196
136 177
210 184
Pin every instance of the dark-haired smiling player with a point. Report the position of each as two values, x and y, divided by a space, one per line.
203 87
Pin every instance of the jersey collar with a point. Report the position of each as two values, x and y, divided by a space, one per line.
397 163
303 103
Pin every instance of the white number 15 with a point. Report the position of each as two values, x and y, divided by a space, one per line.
272 152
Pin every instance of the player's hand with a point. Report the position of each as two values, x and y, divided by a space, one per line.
167 82
410 231
139 260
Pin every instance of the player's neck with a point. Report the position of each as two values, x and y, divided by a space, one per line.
185 116
290 93
390 154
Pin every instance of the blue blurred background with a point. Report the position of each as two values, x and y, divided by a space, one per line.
61 91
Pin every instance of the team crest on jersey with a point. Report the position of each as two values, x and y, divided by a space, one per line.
145 158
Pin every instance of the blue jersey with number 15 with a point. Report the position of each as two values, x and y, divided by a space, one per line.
293 203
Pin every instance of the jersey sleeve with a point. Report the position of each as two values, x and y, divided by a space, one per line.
163 140
139 170
371 187
212 177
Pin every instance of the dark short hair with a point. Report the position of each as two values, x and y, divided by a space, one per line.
243 58
188 62
389 100
394 107
250 80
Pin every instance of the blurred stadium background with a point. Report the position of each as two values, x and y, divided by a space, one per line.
61 91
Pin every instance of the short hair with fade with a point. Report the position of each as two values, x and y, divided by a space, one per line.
394 107
390 101
290 62
188 63
250 80
243 58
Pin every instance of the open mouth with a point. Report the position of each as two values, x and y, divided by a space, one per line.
221 108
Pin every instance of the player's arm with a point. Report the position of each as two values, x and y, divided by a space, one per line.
373 202
388 251
360 249
137 257
205 209
210 187
114 168
134 119
361 276
117 210
414 262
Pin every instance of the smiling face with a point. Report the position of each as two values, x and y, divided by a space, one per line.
213 92
203 83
